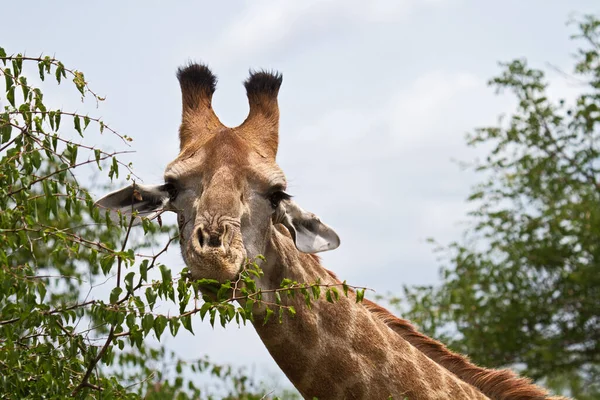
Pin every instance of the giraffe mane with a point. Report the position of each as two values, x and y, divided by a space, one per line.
498 384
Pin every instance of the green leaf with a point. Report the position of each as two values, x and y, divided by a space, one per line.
223 292
144 270
41 70
292 311
24 87
18 64
336 294
345 288
173 325
79 81
51 119
114 169
8 78
147 323
72 154
223 317
5 133
114 294
129 281
151 297
97 154
160 323
60 72
360 294
204 309
36 159
230 311
106 263
77 124
316 291
42 291
268 314
186 321
10 95
213 313
328 296
57 121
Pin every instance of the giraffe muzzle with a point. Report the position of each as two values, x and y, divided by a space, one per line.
214 253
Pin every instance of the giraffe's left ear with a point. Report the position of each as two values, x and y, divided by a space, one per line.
309 233
145 200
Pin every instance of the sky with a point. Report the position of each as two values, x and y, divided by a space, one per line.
376 100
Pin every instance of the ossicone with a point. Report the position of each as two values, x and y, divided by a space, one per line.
262 124
199 121
197 83
263 83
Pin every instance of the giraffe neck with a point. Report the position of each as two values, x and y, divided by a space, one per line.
342 350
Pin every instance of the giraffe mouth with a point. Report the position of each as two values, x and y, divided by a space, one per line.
215 262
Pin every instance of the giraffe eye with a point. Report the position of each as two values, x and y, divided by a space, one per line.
277 197
171 190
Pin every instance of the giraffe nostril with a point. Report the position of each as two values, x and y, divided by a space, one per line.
200 234
214 240
227 236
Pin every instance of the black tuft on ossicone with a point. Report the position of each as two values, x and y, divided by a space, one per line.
263 82
197 78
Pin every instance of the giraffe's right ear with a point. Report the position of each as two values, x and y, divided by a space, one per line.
147 200
310 235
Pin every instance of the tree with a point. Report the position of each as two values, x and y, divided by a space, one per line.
77 291
523 287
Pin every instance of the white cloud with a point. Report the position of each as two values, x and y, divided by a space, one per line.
384 178
417 114
427 113
265 25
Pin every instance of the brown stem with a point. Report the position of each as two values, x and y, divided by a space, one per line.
90 369
72 114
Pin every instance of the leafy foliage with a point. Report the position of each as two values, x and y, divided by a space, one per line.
523 288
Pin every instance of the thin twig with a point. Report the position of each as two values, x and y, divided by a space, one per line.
61 170
54 62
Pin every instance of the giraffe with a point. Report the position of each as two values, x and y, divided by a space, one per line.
231 205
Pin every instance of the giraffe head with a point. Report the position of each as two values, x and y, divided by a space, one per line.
225 186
